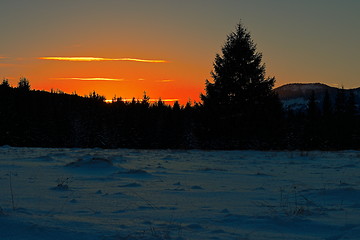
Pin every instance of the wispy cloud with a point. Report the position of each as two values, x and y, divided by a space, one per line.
141 60
7 65
92 79
153 100
8 61
168 100
166 80
94 59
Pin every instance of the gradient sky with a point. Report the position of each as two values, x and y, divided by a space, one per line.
301 41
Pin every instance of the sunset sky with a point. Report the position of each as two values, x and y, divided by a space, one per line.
166 48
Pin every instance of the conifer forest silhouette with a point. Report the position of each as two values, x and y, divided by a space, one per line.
239 110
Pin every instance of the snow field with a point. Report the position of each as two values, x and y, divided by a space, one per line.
165 194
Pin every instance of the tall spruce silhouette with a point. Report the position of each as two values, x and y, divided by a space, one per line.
239 82
240 100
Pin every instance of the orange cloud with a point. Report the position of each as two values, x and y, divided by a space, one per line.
166 80
153 100
167 100
92 79
92 59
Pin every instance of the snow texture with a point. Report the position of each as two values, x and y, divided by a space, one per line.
165 194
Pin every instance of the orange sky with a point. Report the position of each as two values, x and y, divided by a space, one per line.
302 41
119 76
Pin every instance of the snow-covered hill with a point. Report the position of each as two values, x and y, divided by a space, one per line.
295 96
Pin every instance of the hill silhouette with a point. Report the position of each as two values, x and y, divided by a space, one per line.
295 96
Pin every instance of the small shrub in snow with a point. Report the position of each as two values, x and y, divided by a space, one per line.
292 204
2 213
63 183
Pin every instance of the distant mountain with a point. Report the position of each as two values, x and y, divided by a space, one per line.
295 96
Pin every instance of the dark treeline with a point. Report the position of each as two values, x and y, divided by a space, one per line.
55 119
326 124
239 110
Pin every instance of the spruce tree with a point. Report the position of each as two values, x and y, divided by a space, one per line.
340 103
5 83
312 107
326 105
24 84
351 104
239 83
241 108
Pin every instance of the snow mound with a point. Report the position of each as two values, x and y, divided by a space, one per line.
92 162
